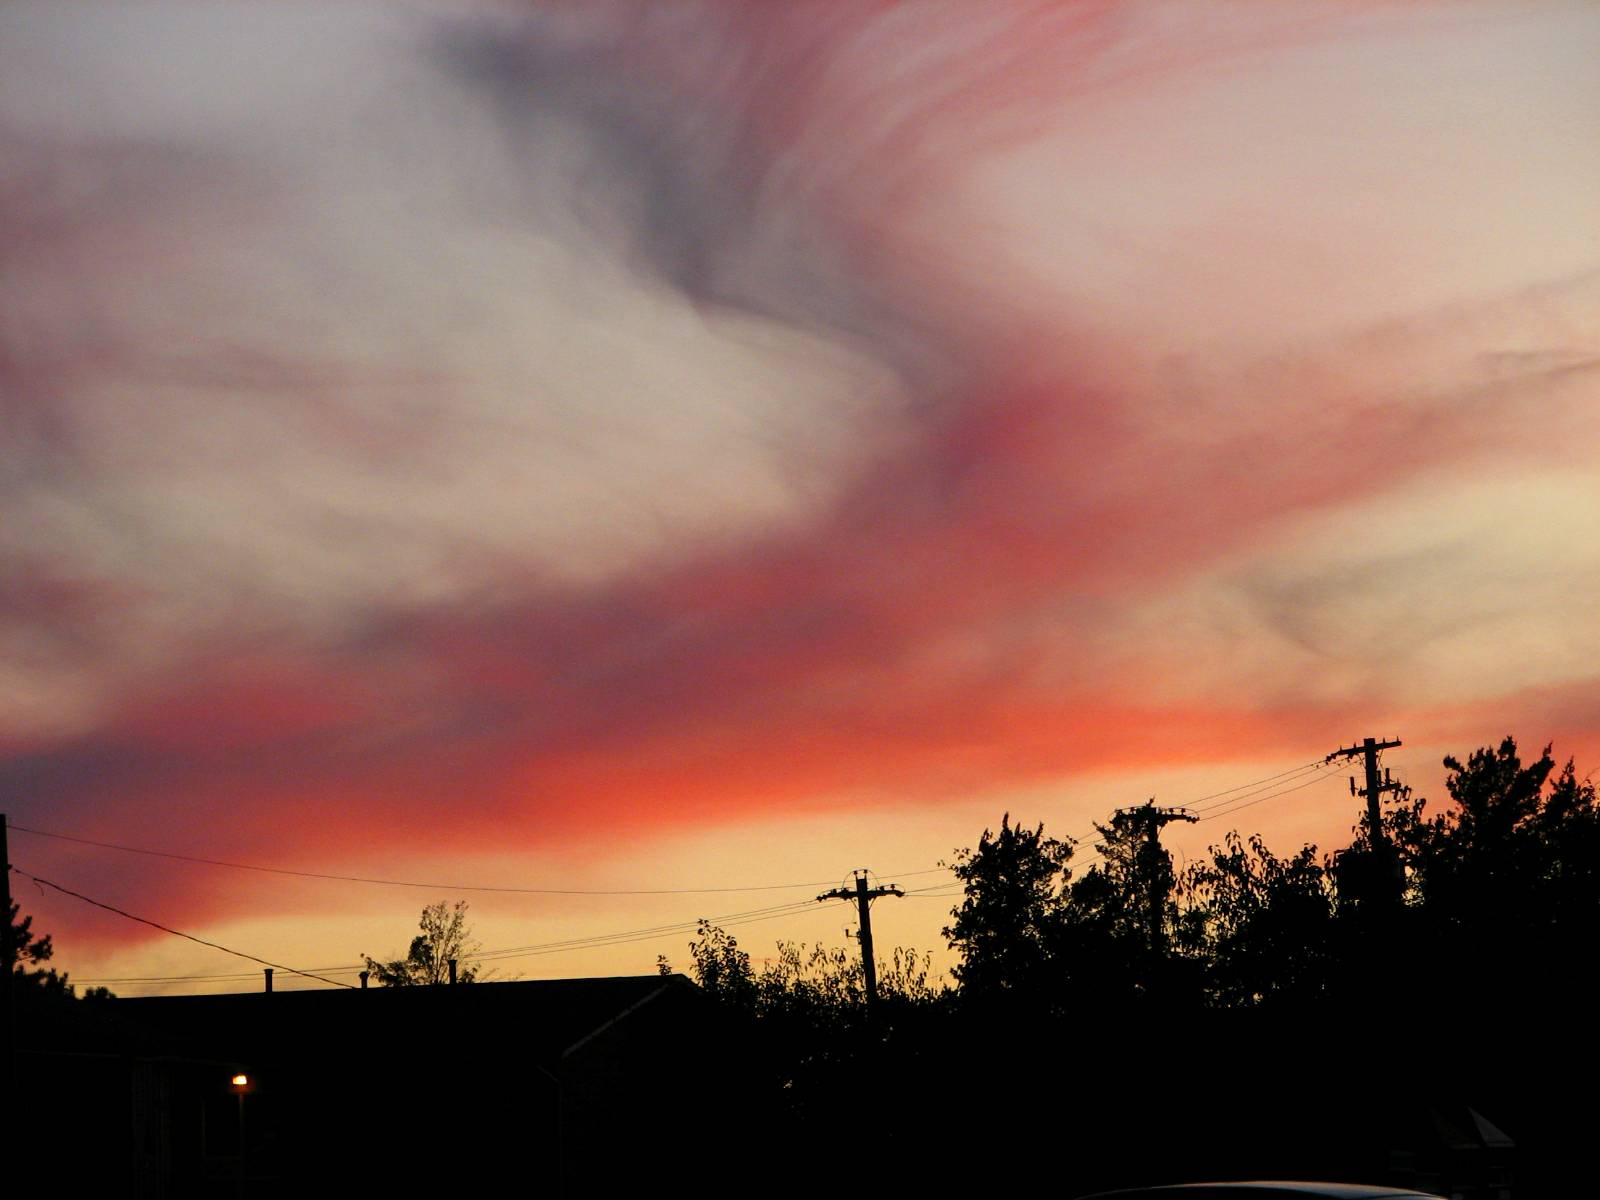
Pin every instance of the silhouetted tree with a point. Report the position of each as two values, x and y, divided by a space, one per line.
827 985
445 936
1517 845
1007 925
1263 926
805 1013
30 979
1028 930
1504 884
720 967
24 950
1115 939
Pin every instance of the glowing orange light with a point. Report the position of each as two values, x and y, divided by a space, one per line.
241 1081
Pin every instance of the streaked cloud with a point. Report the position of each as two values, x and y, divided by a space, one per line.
699 413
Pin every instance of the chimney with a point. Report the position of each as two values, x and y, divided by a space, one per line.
452 970
267 971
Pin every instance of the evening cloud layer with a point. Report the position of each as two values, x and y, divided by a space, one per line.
683 412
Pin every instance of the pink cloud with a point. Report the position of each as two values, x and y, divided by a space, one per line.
934 600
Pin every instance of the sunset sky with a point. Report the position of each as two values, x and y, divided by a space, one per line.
642 447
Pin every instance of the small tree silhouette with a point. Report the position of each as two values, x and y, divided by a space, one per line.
30 978
445 937
1003 928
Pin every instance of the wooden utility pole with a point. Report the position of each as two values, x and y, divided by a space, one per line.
1369 749
863 896
1149 820
1385 872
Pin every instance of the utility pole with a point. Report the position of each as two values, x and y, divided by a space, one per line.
1383 877
1369 749
1148 820
863 896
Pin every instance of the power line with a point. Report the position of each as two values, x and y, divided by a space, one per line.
684 926
655 935
621 937
175 932
231 977
446 887
1227 811
544 891
1229 801
1242 797
1265 791
937 891
1199 800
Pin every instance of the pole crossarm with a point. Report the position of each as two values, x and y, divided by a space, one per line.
1149 816
852 894
1361 748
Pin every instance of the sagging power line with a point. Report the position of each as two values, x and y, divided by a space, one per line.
111 908
411 883
1227 800
1213 805
598 941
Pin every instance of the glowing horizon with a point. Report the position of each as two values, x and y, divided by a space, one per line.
476 441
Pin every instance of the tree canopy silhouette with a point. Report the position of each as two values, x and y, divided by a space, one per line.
1504 883
1263 926
1008 922
31 980
820 984
1120 917
1518 846
1501 885
1089 973
445 938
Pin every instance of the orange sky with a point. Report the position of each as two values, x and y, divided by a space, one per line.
623 447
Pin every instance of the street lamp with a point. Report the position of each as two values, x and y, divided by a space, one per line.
241 1083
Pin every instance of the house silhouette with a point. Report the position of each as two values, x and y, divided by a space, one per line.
409 1090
